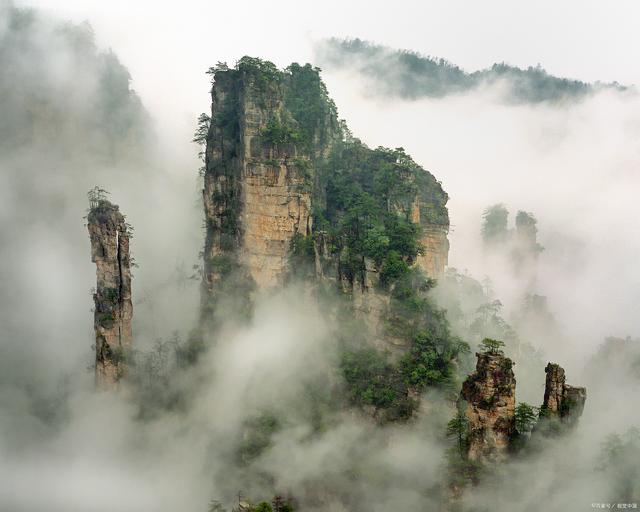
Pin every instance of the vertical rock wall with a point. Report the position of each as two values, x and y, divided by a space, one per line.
434 241
274 202
257 186
436 251
113 308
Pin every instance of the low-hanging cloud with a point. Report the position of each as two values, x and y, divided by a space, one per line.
573 164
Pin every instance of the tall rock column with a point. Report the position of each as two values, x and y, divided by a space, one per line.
490 398
258 180
562 401
110 235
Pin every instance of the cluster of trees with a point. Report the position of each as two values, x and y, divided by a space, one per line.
367 214
410 75
495 232
367 220
278 504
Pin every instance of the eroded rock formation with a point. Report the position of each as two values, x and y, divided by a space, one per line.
490 396
273 143
562 401
110 235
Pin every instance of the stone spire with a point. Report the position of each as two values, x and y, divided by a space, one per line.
490 395
562 401
110 235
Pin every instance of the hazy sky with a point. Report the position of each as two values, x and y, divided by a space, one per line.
574 165
583 159
168 45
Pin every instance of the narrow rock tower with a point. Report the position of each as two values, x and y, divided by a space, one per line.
490 395
562 401
110 235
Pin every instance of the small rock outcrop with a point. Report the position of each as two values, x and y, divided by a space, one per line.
490 396
109 234
562 401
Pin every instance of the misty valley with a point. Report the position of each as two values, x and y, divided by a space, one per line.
259 311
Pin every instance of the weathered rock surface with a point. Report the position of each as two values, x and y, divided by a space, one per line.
262 183
562 401
254 192
434 241
257 193
109 236
489 394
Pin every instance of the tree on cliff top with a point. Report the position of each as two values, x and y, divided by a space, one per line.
96 195
490 346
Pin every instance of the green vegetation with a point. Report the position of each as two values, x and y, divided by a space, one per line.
256 436
200 136
526 417
369 196
494 226
278 504
106 320
527 231
202 130
368 207
460 469
302 256
433 352
373 381
263 73
458 428
308 101
279 132
429 362
96 196
111 295
490 346
408 74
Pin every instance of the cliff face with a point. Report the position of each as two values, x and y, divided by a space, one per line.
436 250
258 178
109 236
283 178
489 393
562 401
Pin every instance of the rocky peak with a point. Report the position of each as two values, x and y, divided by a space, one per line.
280 172
109 234
489 394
